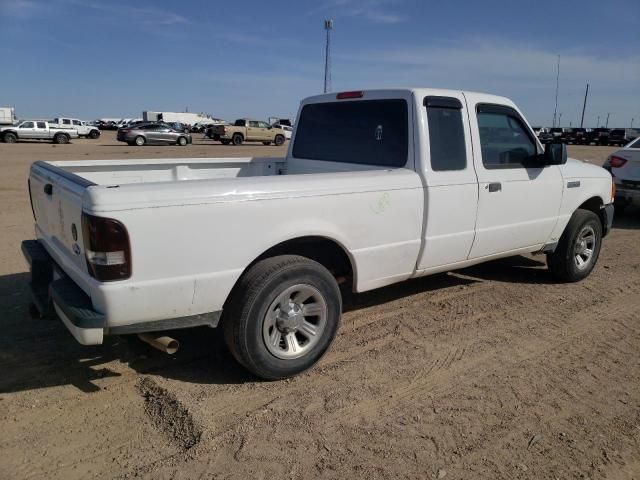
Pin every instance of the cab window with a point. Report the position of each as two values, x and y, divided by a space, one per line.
446 133
42 125
27 125
263 124
66 121
76 122
505 140
253 124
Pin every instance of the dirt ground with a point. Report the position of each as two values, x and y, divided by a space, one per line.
494 372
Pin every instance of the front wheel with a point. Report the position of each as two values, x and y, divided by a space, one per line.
578 249
140 140
93 134
282 316
182 141
279 140
10 138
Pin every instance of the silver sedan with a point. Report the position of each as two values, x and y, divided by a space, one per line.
153 134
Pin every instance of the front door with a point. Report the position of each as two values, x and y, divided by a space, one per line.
519 197
451 190
27 130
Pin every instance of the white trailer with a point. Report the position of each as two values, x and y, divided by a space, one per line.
7 116
172 117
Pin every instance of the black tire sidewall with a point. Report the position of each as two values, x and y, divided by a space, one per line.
235 141
279 140
583 219
255 355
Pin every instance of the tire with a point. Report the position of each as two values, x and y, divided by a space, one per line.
225 142
584 230
279 140
237 139
93 134
10 137
60 138
182 141
139 141
269 343
266 143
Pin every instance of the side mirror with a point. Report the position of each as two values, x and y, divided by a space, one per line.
555 154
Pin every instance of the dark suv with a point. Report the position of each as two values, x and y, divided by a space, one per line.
618 136
598 136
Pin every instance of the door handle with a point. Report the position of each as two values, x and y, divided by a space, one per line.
494 187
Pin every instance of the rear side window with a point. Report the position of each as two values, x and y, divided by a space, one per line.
240 123
369 132
42 125
446 134
66 121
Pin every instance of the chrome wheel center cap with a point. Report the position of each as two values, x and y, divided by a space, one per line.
290 318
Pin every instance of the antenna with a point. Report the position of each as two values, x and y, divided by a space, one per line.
328 26
555 109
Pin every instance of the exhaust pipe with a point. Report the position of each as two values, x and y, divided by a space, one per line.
161 342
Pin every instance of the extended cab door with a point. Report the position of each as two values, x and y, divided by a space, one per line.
253 131
27 130
519 197
451 190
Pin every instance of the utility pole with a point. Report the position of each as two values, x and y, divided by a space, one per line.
328 26
584 105
560 119
555 109
632 123
607 124
598 122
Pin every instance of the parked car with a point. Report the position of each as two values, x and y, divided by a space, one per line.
84 128
624 165
576 136
543 134
597 136
618 136
286 129
153 134
411 183
37 130
245 130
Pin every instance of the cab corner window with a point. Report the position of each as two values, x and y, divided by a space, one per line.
446 134
504 139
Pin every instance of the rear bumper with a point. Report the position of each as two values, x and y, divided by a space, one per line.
53 293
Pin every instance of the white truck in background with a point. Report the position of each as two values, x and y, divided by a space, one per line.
36 130
377 187
84 128
8 116
186 118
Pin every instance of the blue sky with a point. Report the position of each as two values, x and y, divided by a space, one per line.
92 58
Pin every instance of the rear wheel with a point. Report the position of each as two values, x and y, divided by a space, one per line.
182 141
10 138
60 138
279 140
140 141
282 316
237 139
94 134
578 249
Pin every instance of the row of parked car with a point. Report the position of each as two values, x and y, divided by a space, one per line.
242 130
586 136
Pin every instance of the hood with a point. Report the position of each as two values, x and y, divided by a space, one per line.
578 168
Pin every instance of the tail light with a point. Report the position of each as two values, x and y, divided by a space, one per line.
107 249
617 162
354 94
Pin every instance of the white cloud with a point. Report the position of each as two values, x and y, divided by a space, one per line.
375 11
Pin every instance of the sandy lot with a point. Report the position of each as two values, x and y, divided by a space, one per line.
495 371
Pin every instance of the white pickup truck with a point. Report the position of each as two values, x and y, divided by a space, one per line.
411 183
84 128
36 130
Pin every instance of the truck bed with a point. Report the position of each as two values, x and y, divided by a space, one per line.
120 172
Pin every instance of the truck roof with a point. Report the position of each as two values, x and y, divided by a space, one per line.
413 90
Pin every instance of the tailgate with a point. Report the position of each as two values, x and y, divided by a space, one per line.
56 198
218 129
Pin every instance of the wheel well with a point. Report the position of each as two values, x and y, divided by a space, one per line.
594 204
326 252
